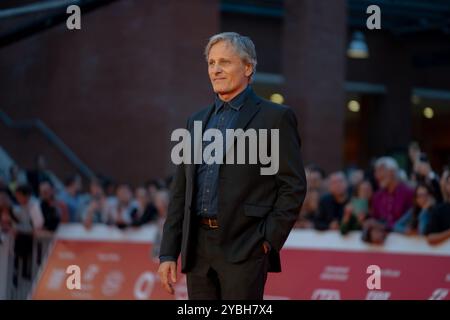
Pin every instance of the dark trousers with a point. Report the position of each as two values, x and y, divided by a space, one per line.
213 278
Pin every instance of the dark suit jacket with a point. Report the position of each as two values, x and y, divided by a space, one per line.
252 207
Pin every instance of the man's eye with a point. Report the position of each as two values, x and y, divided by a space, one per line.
211 63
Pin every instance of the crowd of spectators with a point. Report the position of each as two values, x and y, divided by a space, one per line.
382 199
34 204
22 210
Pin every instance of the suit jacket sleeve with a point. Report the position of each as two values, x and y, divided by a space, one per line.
172 231
291 183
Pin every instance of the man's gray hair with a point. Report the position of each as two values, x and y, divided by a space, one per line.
243 45
387 162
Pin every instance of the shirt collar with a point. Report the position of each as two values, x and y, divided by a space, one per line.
236 103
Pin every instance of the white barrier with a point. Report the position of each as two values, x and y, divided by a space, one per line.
298 239
316 265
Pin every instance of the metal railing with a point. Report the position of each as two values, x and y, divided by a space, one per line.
52 137
6 264
19 272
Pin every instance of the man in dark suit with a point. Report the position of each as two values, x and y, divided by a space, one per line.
230 221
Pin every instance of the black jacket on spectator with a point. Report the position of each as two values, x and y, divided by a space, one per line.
439 218
51 216
150 214
329 210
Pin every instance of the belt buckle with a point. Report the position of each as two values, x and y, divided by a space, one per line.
212 226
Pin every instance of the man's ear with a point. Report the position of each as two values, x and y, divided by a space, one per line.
248 70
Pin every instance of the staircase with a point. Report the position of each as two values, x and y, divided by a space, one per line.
25 139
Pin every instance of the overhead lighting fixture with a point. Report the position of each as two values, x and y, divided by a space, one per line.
277 98
357 48
428 113
353 106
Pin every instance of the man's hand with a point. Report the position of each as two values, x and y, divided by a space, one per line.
266 247
165 269
334 225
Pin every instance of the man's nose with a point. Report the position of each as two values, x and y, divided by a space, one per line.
217 69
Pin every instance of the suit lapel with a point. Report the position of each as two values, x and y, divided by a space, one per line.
196 142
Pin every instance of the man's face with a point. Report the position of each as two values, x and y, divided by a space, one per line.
46 191
21 198
384 176
365 190
414 153
315 180
227 72
423 168
96 190
422 197
141 195
124 194
337 185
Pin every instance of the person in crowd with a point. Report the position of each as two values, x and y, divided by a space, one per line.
16 177
168 181
438 229
443 182
39 174
162 205
357 210
374 231
99 204
315 177
355 177
393 198
53 210
331 205
153 185
416 219
28 214
109 187
4 188
413 155
7 218
71 197
309 210
29 222
119 214
423 173
145 211
370 174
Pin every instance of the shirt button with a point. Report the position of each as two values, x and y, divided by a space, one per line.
205 210
207 190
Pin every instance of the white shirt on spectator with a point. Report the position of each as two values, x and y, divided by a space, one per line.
30 216
120 212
